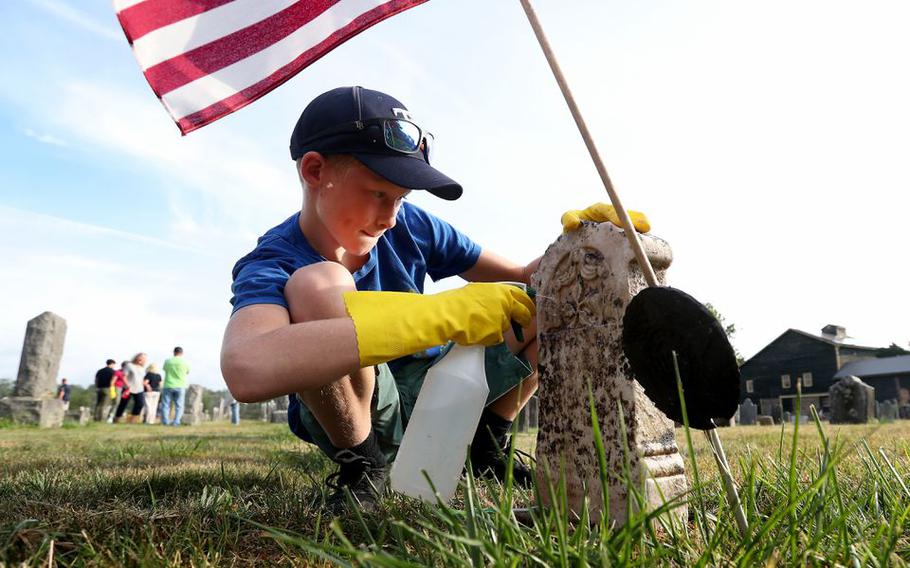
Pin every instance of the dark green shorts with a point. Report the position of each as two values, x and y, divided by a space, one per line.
397 391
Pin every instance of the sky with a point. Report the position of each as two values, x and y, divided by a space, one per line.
767 142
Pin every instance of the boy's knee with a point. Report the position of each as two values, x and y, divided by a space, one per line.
314 292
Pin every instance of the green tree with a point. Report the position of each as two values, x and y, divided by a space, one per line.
729 329
892 350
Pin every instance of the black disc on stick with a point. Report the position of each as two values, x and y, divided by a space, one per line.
661 320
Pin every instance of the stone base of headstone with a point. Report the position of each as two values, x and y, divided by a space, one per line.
584 283
279 416
45 412
765 420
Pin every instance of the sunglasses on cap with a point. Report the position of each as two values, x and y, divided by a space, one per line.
398 134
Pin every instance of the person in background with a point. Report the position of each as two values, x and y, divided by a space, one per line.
235 411
152 393
104 379
122 390
135 379
63 393
175 371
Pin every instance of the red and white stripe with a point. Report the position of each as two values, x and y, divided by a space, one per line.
207 58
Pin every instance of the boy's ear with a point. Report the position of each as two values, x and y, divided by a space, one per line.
312 168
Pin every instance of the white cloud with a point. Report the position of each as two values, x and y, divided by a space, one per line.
79 19
44 138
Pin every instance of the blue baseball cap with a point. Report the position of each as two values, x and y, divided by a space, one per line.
378 131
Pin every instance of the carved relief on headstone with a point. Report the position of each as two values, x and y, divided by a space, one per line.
33 399
192 413
852 401
584 283
747 413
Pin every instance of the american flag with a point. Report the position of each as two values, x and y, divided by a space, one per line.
207 58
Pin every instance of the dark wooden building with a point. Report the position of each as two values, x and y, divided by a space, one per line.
769 378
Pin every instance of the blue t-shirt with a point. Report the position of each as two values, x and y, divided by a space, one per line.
419 244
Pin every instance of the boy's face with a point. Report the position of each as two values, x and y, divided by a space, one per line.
357 206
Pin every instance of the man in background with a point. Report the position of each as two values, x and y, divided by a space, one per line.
175 371
104 378
63 393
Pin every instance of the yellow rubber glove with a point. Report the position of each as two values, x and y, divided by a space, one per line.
600 212
394 324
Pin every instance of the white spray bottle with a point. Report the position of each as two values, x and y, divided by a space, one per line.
442 424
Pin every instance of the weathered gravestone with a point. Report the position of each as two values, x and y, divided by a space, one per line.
765 420
584 283
33 399
748 413
280 416
85 415
852 401
192 413
888 411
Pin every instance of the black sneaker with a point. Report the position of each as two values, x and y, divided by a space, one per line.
358 477
492 464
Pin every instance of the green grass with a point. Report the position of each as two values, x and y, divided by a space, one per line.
220 495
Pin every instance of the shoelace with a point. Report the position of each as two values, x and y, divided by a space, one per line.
346 474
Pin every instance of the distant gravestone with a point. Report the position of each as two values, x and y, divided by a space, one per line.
748 413
888 411
33 399
282 402
280 416
85 415
41 354
788 416
192 414
852 401
765 420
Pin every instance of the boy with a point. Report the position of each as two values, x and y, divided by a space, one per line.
329 305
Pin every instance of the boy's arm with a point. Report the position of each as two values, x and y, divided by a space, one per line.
264 356
490 267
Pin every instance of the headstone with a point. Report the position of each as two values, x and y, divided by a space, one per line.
279 416
264 411
85 415
41 353
192 413
282 402
748 413
888 411
150 411
765 420
852 401
788 417
33 399
584 283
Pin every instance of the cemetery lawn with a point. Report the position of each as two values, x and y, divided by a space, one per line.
113 495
